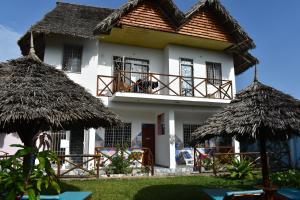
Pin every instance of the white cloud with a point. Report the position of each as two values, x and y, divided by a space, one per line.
8 43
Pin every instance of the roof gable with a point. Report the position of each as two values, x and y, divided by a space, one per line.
169 9
205 24
148 15
243 40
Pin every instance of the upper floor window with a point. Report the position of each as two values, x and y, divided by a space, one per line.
132 73
130 64
187 71
214 73
72 58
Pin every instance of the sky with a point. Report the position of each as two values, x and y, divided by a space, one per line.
273 25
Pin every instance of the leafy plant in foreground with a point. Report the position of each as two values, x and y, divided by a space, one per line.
241 169
14 184
289 178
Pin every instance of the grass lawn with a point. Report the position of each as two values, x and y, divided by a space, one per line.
171 188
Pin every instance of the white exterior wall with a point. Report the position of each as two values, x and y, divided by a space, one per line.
199 57
89 70
6 140
108 50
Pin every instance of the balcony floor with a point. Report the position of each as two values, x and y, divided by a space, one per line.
166 99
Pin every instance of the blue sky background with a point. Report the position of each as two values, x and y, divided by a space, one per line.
274 26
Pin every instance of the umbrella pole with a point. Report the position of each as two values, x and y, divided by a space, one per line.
269 191
26 137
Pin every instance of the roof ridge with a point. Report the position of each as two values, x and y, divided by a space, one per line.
83 5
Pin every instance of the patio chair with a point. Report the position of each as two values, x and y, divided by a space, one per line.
65 196
288 194
223 194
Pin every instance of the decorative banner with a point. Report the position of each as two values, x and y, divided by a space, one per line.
137 141
99 138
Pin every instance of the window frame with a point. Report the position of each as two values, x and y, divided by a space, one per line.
71 46
214 80
192 73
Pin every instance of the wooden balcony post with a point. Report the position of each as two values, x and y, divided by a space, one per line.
180 85
97 165
206 92
231 90
151 90
214 165
58 167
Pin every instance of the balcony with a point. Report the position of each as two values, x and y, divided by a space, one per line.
163 84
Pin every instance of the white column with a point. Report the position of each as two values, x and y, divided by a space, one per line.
171 132
91 144
236 145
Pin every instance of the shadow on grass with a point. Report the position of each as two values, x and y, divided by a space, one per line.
177 191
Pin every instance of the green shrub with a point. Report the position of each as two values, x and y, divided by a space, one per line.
241 169
119 163
289 178
13 182
207 163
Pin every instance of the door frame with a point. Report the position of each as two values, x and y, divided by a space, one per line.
153 136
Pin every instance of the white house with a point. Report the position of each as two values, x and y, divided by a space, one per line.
163 71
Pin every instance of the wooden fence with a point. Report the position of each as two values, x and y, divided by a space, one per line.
217 162
96 166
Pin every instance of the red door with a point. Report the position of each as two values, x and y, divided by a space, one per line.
148 138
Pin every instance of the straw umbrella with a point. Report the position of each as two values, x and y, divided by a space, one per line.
36 97
259 112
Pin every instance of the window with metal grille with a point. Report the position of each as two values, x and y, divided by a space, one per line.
188 129
55 145
72 57
214 73
118 136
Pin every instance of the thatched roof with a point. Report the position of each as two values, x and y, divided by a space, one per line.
259 109
66 19
37 96
167 6
86 22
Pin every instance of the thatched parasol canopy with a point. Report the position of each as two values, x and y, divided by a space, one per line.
259 112
37 97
